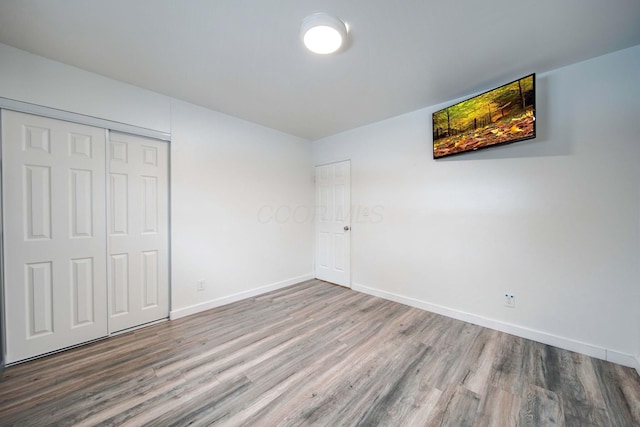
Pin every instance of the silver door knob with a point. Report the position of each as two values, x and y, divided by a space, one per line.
346 228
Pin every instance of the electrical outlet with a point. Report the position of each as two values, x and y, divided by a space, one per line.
201 285
509 301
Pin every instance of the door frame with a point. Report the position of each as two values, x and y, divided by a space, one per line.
315 218
81 119
3 322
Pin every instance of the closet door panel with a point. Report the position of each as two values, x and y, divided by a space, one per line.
55 241
138 231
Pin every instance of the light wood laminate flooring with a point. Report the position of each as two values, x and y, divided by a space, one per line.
322 355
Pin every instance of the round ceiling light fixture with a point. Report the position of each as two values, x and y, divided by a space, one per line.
323 33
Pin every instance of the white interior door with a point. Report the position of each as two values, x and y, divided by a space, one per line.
138 231
333 223
55 241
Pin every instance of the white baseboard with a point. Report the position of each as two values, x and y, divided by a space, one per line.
638 364
520 331
622 359
197 308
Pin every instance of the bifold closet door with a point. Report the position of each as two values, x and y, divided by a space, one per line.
138 231
55 240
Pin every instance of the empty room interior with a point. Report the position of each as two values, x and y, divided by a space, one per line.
212 215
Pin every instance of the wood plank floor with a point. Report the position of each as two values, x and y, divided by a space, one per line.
322 355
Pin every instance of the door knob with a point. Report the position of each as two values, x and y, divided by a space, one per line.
346 228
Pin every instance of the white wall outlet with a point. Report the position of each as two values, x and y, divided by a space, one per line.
201 285
509 301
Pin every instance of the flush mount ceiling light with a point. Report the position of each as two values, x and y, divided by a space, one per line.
323 33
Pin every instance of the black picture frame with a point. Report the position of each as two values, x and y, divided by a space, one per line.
502 115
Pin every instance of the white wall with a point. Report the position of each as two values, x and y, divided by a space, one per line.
37 80
223 170
554 221
229 178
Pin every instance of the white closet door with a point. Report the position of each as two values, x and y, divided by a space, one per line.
138 231
55 241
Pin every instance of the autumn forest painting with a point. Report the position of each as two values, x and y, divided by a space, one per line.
502 115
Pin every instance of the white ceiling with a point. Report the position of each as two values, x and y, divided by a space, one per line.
245 58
